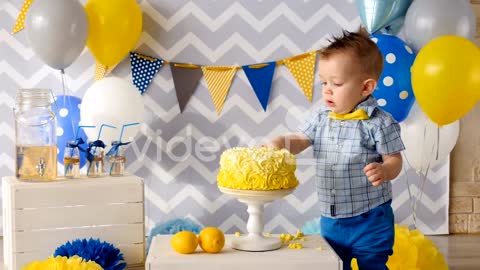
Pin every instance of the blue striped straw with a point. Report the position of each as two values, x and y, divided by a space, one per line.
101 127
120 139
78 130
123 127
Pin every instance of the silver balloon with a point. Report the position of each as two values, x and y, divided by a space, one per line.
377 14
57 31
428 19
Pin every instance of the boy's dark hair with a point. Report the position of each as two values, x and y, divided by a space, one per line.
358 43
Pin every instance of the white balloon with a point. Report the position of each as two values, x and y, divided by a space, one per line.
421 137
115 102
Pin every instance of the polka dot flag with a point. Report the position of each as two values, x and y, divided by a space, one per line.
20 23
144 69
302 68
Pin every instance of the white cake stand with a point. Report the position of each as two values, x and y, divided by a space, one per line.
256 200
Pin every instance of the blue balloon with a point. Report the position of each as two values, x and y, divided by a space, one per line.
394 89
67 111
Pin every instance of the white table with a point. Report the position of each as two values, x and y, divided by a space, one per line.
161 256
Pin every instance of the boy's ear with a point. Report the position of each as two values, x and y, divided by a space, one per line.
368 86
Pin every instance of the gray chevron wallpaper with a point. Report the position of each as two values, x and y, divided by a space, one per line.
177 154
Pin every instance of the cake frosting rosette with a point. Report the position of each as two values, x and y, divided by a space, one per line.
263 168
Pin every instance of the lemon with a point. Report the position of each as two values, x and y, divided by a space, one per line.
184 242
211 240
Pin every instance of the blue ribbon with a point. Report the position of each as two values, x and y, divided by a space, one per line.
115 147
97 143
76 143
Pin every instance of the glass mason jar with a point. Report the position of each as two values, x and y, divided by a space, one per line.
71 160
117 160
95 163
35 135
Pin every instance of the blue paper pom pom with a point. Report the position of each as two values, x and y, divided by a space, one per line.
172 227
312 226
104 254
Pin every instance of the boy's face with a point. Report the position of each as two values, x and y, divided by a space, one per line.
343 85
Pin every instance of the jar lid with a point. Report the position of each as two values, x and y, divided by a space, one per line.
34 97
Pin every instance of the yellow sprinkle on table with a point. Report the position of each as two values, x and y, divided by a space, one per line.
320 248
295 246
288 237
237 234
267 234
299 233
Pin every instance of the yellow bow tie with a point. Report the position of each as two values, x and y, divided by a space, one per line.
356 115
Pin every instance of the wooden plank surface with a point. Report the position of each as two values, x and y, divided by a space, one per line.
84 191
38 240
162 256
86 215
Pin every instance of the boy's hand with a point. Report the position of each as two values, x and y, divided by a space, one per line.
375 173
268 145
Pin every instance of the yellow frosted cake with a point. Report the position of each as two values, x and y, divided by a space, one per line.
257 169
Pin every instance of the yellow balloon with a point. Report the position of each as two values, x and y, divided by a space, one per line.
114 29
446 78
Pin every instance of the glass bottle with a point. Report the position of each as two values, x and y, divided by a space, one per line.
35 135
117 160
95 163
71 160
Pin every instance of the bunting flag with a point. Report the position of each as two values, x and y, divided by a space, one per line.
20 23
101 70
260 77
185 78
302 67
219 79
144 68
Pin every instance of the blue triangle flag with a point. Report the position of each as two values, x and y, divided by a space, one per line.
260 77
144 68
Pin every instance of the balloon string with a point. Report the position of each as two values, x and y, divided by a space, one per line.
424 175
410 197
67 102
438 142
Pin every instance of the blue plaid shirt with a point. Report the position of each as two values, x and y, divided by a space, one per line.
342 148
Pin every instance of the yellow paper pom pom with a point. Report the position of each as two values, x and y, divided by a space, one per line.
412 250
63 263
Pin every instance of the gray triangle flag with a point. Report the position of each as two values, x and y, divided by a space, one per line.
185 78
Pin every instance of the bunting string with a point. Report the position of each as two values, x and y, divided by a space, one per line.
186 77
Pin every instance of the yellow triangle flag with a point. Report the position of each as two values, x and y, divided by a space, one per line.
219 79
20 23
302 68
102 70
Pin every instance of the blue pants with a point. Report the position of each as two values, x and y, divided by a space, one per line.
367 237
